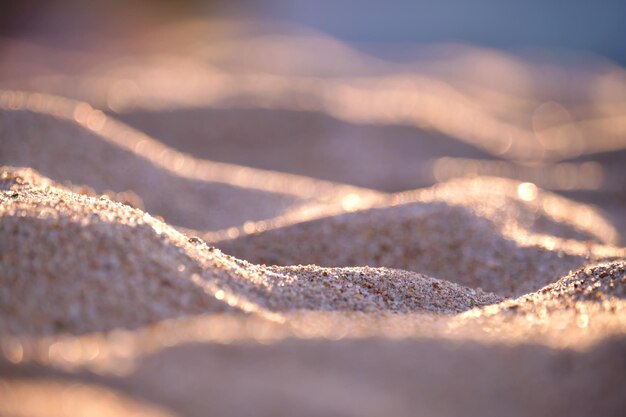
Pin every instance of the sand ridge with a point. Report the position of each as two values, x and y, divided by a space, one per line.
114 259
485 109
106 247
481 237
198 230
95 284
140 164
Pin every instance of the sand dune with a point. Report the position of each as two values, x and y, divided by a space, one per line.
197 231
76 263
341 115
479 233
509 106
216 195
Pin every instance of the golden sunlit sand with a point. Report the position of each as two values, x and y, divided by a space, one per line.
187 230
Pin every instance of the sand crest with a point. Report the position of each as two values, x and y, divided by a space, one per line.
199 230
95 284
76 263
481 237
79 136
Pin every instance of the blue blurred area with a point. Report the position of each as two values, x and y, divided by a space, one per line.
592 26
598 27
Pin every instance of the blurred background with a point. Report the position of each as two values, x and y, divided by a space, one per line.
388 95
595 27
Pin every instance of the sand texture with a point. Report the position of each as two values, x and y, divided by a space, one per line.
188 230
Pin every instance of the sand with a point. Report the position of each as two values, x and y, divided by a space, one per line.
92 284
231 237
113 263
480 238
79 136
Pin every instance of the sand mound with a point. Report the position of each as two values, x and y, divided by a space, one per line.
371 290
84 146
77 263
478 233
520 208
603 284
595 283
106 308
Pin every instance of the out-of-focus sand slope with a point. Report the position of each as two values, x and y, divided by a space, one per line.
219 219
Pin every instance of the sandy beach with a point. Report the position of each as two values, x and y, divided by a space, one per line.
189 231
